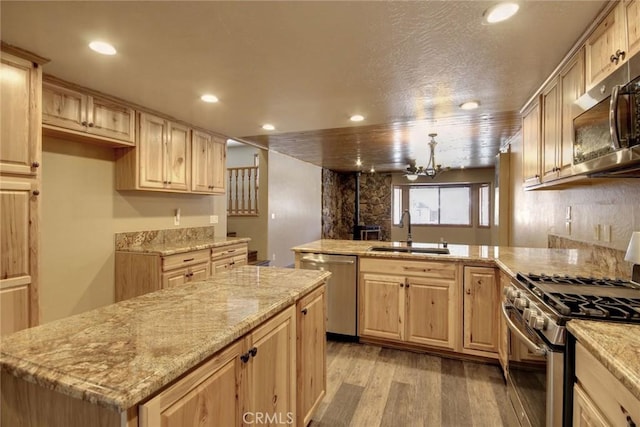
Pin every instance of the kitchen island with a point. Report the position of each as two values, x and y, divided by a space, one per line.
96 368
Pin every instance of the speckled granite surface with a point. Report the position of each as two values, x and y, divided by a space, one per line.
120 354
170 248
615 345
510 259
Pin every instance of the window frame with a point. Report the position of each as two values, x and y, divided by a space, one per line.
489 207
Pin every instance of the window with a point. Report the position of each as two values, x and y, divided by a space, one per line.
483 205
440 205
397 205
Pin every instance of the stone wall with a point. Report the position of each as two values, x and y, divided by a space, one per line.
338 203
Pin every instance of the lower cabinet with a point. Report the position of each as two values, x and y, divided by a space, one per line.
585 413
503 329
311 351
481 311
420 306
252 381
228 257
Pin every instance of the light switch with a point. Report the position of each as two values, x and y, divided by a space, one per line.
606 232
596 232
568 215
213 219
176 217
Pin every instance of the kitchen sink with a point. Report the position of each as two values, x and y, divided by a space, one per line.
409 249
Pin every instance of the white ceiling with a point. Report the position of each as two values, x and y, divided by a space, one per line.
304 65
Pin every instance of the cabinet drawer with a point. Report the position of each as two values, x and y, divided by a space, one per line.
440 270
613 399
237 250
185 259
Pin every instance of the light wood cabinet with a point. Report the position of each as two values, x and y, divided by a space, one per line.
20 156
75 113
531 145
420 306
481 311
606 47
572 87
311 315
632 14
550 130
253 378
228 257
20 121
503 329
208 163
600 399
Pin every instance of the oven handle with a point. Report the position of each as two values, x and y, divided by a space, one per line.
535 349
613 117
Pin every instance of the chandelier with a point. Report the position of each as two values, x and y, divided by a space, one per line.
432 169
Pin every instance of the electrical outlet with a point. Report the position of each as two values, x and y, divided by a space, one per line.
176 217
568 214
606 232
213 219
567 227
596 232
273 257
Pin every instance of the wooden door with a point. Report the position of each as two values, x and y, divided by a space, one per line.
152 151
602 46
382 306
311 353
200 162
572 87
63 107
207 397
481 309
218 166
550 130
20 102
179 157
109 119
175 278
585 412
18 254
632 9
272 370
199 272
432 314
531 145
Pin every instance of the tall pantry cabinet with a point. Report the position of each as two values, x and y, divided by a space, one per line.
20 177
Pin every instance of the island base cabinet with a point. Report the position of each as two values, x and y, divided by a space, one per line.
252 381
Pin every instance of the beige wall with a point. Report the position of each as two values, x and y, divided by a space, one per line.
81 212
295 207
467 235
536 214
254 227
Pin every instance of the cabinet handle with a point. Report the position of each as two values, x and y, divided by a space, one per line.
84 123
407 285
245 357
304 311
253 351
169 182
188 259
468 291
36 192
402 285
35 165
91 124
620 54
630 422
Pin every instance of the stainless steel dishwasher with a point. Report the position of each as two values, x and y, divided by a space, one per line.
341 292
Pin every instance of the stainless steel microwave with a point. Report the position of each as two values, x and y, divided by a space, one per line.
607 132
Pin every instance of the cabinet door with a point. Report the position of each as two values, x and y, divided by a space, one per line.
585 412
480 309
63 107
200 163
272 369
572 88
18 255
382 300
179 157
207 397
174 278
20 103
550 131
503 339
153 151
531 145
218 166
106 118
603 45
432 312
632 8
199 272
311 353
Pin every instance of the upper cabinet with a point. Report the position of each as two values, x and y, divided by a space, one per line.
606 47
572 87
208 163
79 114
632 9
550 130
20 119
531 145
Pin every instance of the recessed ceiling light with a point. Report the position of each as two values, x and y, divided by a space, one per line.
372 170
358 162
102 47
470 105
268 126
500 12
209 98
357 118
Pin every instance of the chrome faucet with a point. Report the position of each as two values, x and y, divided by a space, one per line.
406 212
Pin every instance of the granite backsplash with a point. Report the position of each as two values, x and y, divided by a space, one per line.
173 235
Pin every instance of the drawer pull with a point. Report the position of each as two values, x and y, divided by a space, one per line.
245 357
253 351
304 311
424 270
188 260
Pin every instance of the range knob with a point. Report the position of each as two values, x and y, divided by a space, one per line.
511 293
538 322
530 313
521 303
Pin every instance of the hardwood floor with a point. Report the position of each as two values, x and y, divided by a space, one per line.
371 386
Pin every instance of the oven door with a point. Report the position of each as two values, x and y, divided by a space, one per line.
534 378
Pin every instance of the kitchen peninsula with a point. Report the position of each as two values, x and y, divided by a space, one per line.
204 349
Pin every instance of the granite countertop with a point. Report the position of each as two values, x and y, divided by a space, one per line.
511 260
170 248
615 345
120 354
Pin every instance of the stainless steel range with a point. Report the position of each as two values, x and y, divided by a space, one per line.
536 308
